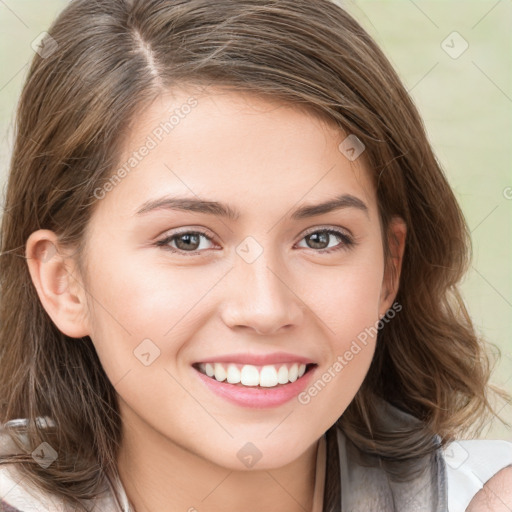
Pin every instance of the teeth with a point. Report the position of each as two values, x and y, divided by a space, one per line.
233 374
293 373
210 371
249 375
220 373
268 377
282 375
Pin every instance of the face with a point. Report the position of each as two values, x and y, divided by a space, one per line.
170 287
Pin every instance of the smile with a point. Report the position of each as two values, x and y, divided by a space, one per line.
254 386
254 376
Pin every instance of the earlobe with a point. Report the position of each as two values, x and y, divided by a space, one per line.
56 281
397 232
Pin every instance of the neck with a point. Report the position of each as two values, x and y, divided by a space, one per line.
159 475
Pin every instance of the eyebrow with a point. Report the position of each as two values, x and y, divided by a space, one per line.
199 205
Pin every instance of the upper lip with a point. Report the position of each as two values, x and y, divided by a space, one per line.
258 359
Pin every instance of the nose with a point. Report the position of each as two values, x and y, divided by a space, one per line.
261 298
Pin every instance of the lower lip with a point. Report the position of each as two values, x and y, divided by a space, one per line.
257 397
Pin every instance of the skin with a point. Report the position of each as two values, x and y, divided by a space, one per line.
180 441
495 495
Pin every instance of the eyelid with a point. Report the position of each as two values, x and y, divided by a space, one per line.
326 227
189 229
192 229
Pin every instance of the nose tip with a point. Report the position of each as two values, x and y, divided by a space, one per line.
264 302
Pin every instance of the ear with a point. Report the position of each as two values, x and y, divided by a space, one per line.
55 277
396 236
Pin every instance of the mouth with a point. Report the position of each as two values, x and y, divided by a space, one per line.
253 376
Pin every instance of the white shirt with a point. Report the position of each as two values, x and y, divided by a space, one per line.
469 465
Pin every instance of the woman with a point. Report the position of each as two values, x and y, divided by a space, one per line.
229 263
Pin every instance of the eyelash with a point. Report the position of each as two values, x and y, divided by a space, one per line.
347 242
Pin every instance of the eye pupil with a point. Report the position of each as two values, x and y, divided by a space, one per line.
322 235
188 244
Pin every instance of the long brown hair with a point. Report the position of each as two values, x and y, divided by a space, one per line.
111 58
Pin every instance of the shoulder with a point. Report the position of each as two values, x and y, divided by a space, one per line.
17 496
5 507
496 494
479 475
17 493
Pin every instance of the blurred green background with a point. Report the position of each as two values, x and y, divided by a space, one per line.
455 58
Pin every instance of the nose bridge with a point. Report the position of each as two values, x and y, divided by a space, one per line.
261 296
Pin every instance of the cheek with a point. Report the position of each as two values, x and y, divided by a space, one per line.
133 300
345 299
349 319
346 302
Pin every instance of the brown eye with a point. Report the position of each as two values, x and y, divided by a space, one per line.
187 241
184 242
320 240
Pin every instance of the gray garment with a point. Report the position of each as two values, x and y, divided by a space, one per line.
366 486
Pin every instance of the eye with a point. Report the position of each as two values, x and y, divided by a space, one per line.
185 241
190 241
320 238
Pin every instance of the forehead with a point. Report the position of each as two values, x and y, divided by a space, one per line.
237 148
